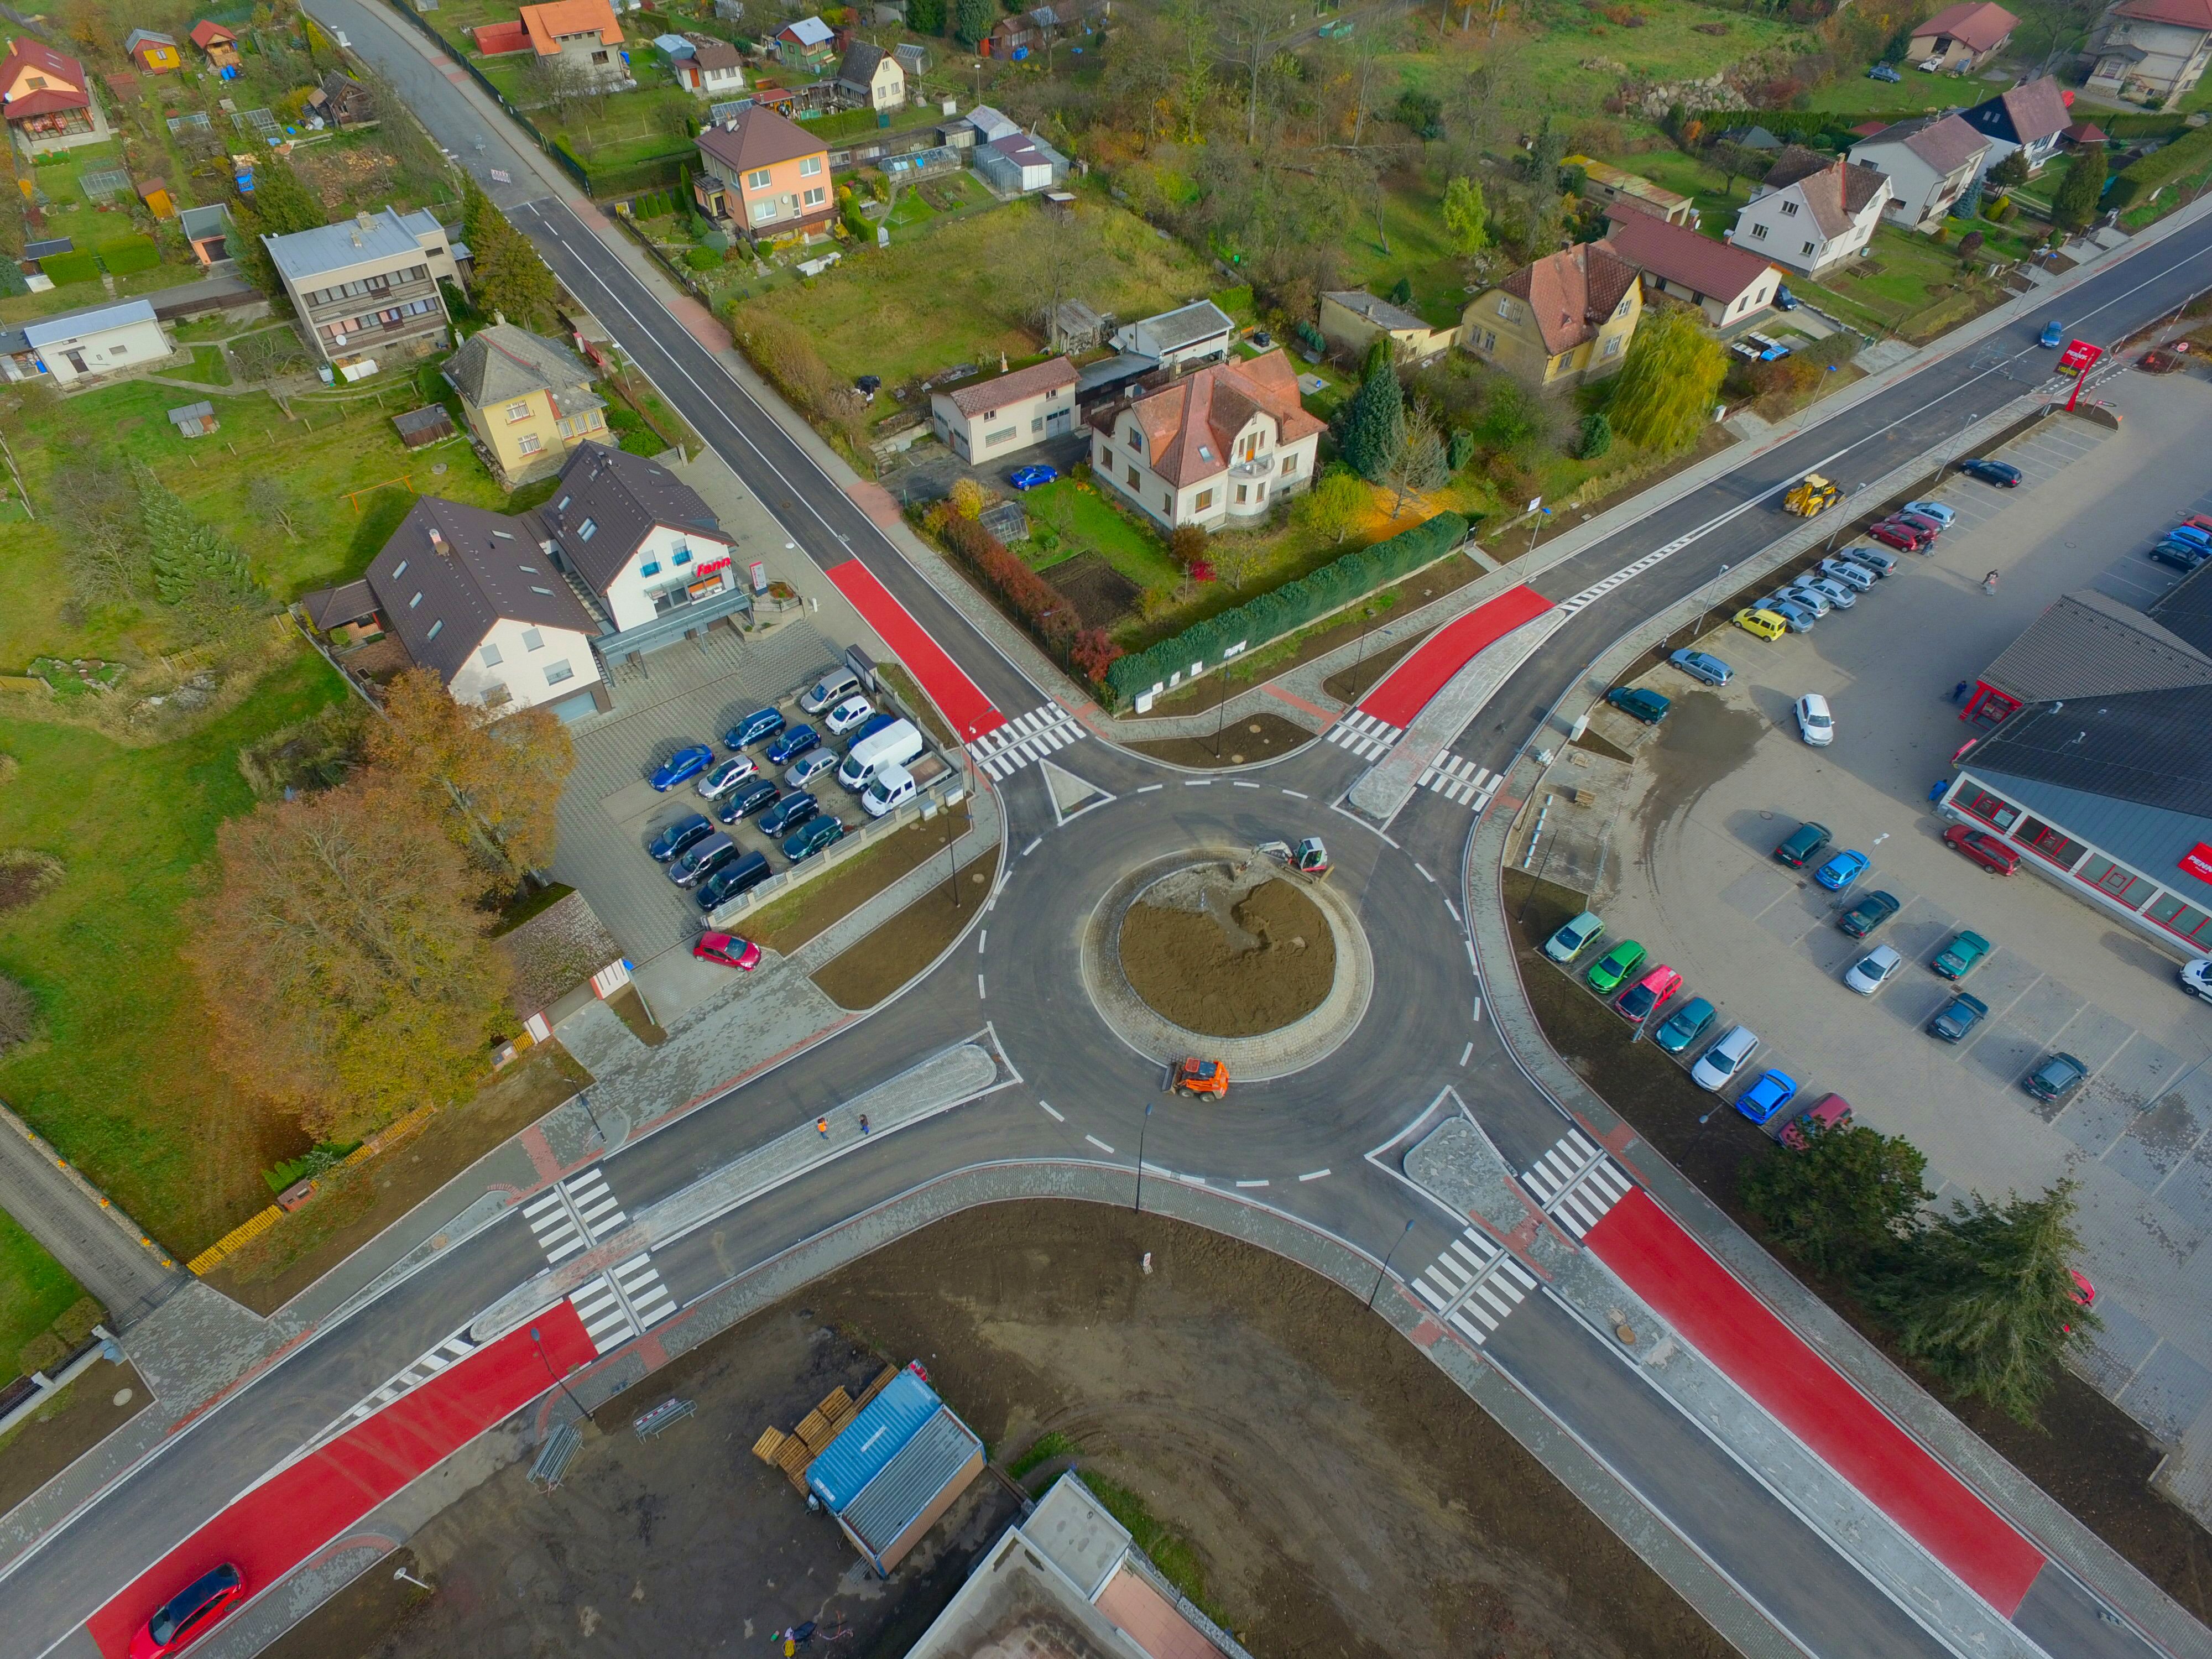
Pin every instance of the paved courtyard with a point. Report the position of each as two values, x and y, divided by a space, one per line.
1690 873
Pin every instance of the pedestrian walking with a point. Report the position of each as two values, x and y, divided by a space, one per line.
1959 692
864 1123
1990 582
822 1128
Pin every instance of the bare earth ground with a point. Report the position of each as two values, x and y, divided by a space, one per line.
69 1425
1262 738
863 975
1247 962
1340 1497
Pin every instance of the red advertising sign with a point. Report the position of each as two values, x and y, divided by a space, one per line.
2078 356
2197 860
712 566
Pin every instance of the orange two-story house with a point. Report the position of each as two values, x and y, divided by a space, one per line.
765 177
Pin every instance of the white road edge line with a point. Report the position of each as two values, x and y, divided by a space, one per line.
1314 1174
1099 1144
1059 1117
1251 1183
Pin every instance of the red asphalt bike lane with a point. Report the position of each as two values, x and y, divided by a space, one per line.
278 1524
961 700
1405 689
1726 1323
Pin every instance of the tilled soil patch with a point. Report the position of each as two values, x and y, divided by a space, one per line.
1240 742
1228 962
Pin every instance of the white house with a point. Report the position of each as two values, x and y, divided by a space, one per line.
1021 165
1929 166
996 418
2031 118
77 344
1811 211
1191 333
2151 50
703 65
872 75
1217 448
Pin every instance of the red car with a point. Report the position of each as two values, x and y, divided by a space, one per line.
1985 848
1904 537
1828 1112
190 1613
1640 1001
727 949
2084 1294
1919 521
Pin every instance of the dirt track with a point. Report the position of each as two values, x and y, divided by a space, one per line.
1228 962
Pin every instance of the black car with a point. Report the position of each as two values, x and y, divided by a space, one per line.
1802 844
680 836
1957 1017
747 799
761 723
2003 474
2184 557
732 879
703 860
787 814
1868 914
2057 1078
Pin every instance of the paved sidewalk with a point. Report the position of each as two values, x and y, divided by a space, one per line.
106 1251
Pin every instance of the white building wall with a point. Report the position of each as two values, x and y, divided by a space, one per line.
1017 425
108 351
629 597
522 669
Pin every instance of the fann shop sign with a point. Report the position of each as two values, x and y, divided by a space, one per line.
2197 860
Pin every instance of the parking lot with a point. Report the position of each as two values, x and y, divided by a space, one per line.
1690 873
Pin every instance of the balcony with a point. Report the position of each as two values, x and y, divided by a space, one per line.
1258 467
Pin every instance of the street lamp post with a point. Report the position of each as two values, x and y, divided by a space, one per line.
538 1342
1141 1127
1385 1267
584 1100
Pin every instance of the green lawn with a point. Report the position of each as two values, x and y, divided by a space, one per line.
1411 247
1093 525
35 1289
1917 294
1853 93
1686 175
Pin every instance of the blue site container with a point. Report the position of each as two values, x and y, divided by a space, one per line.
871 1440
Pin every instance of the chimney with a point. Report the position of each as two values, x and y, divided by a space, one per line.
438 540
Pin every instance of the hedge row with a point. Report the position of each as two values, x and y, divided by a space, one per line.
2188 155
139 253
80 266
1288 608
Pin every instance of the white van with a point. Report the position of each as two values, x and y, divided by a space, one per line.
833 687
892 788
895 745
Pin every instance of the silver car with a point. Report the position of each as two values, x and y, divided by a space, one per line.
1872 971
1811 597
1800 618
1935 510
1725 1058
1839 594
1851 575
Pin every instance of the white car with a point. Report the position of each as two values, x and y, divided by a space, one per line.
1935 510
847 714
1814 723
1872 971
2196 978
1840 595
1851 575
718 780
808 767
1725 1058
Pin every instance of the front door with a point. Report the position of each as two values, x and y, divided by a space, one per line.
75 361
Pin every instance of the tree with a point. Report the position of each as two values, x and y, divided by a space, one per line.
1841 1201
1401 291
1735 162
1254 31
1545 155
1043 260
492 782
343 958
972 20
2012 171
1664 394
511 279
1422 112
269 501
1984 1297
1596 436
193 566
280 205
1419 463
925 16
1334 503
967 498
1459 448
1467 222
1374 422
2084 186
1093 652
96 503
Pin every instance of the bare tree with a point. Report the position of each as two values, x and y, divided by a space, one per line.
269 500
96 504
1049 259
1420 460
1254 31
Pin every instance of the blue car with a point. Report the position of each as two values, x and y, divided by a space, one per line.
2003 474
794 744
1841 871
686 762
1884 72
761 723
2053 335
787 814
1703 666
1784 300
811 837
680 836
1029 478
868 727
1765 1099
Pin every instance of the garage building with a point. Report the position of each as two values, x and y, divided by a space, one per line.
898 1466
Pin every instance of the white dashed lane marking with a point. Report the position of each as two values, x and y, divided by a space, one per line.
1099 1144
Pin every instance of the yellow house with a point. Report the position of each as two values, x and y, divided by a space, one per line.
1560 319
529 401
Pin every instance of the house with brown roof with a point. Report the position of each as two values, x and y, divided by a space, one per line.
44 95
152 51
1217 448
218 45
1929 165
2152 51
872 76
1561 319
1962 38
528 400
2031 118
711 69
987 419
1730 285
1812 211
1613 185
582 33
764 176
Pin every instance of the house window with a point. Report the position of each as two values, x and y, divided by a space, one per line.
1789 210
1559 363
2041 839
2179 916
518 412
1290 463
757 180
1204 499
1240 494
557 671
991 440
1036 423
1489 339
1759 232
532 639
1133 473
497 695
490 656
816 196
650 568
119 351
1612 347
762 212
529 444
437 628
810 167
1506 309
1135 440
599 58
682 556
1620 311
1806 249
1991 809
2115 881
417 600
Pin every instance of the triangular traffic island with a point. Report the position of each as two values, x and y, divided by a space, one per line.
1070 795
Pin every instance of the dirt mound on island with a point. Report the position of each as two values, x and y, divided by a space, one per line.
1230 956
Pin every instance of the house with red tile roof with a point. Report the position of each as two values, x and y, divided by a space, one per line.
217 43
2151 51
44 95
581 32
985 420
1217 448
1730 285
1561 319
1962 38
1812 211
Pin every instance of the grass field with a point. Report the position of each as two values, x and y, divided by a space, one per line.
35 1289
1094 527
1855 95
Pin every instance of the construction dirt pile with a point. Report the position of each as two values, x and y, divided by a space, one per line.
1225 954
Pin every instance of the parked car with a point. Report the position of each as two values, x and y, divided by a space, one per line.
1957 1017
1825 1116
2196 977
1841 871
732 880
868 727
719 780
1985 848
755 797
1638 703
2058 1076
1868 914
1800 618
1958 959
1029 478
1573 939
1640 1001
853 712
2003 474
809 767
2084 1294
811 836
190 1613
742 954
674 838
2184 557
1872 971
1898 533
1848 573
1815 723
686 763
1934 527
1803 593
1725 1058
1885 73
761 723
1763 625
1935 510
2190 535
1607 973
1703 666
1763 1101
835 686
1837 592
703 860
794 744
1784 300
787 814
1801 843
1879 561
1685 1025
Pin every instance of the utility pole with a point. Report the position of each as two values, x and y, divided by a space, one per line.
538 1342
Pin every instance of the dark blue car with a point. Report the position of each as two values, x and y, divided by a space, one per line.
794 744
787 814
868 727
684 833
811 837
2003 474
761 723
686 762
747 799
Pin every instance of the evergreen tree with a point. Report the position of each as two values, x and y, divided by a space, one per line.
925 16
1459 449
1467 220
1374 427
1843 1198
280 205
972 20
1597 436
2077 199
192 563
511 279
1401 292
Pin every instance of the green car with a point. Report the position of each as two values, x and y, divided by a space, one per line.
1615 966
1960 957
1685 1025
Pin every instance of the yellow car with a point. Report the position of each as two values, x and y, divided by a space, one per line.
1765 624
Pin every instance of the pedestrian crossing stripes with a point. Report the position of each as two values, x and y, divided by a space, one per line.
1576 1183
1462 780
1597 590
618 1304
1473 1285
573 1213
454 1349
1364 736
1017 743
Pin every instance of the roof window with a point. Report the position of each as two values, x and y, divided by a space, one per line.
417 600
586 529
434 627
399 570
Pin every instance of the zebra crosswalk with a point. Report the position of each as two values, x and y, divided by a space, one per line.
454 1349
1364 736
1473 1285
624 1301
574 1213
1576 1183
1462 780
1031 738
